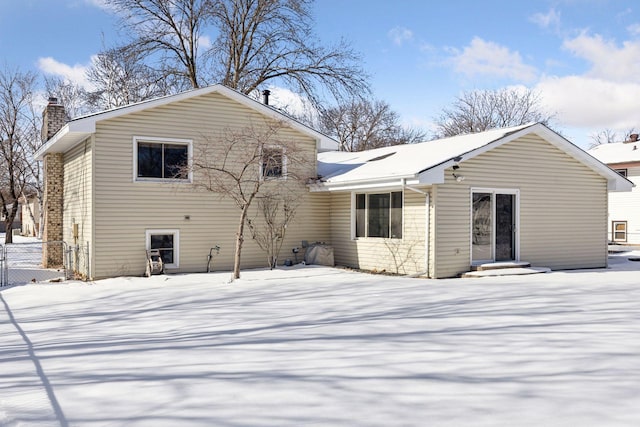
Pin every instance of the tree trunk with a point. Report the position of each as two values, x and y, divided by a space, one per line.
239 241
8 236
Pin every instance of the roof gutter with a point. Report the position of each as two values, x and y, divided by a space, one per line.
363 184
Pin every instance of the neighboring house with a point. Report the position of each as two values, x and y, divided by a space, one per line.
105 189
30 212
518 194
17 221
624 208
435 208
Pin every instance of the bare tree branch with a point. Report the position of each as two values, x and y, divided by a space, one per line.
17 136
477 111
365 124
168 30
608 136
244 165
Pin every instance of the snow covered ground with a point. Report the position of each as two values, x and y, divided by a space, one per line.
315 346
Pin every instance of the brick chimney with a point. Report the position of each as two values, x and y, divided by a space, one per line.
633 138
54 118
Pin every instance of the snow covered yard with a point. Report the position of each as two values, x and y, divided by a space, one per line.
317 346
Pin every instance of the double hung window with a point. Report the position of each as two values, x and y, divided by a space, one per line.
619 231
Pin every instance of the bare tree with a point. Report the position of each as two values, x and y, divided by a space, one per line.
120 78
480 110
272 41
169 31
243 164
608 136
35 182
254 42
16 131
276 211
71 95
365 124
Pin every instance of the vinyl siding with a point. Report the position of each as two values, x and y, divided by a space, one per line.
625 206
78 200
125 209
562 207
403 256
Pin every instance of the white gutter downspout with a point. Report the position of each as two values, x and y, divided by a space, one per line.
426 228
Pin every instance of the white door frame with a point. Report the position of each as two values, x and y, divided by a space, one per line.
516 235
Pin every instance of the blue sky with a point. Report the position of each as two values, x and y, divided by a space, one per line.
581 55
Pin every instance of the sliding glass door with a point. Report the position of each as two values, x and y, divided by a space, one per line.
493 225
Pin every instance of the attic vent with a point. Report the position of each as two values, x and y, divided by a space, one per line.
384 156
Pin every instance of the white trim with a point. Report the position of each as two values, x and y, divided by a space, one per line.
434 174
162 140
516 237
176 243
353 215
68 136
427 233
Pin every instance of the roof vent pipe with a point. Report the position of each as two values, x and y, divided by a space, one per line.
265 97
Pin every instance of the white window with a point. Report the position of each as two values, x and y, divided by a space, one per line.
168 243
274 163
622 172
161 159
619 231
378 215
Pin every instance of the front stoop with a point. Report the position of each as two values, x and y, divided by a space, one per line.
504 268
509 271
500 265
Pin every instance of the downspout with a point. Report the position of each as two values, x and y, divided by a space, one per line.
426 228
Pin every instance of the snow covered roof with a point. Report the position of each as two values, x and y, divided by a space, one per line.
425 163
80 128
618 152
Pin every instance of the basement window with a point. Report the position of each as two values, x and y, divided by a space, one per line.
167 242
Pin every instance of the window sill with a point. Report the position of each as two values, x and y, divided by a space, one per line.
376 239
163 181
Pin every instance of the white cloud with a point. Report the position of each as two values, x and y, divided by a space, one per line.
608 60
204 42
491 59
75 74
102 4
592 103
399 35
634 30
289 102
547 20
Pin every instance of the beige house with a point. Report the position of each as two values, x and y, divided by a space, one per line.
624 208
519 194
107 188
435 208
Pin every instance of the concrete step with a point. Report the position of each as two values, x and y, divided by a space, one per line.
514 271
500 265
